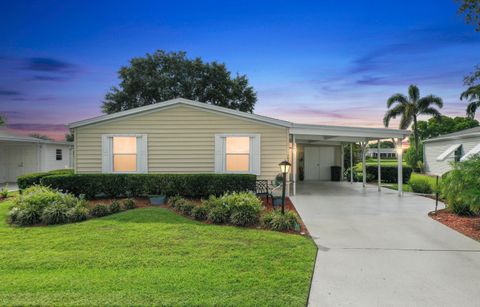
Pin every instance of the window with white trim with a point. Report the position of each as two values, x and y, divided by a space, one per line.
237 153
58 155
124 153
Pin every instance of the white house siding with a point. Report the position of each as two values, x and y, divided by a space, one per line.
17 158
48 157
181 139
435 148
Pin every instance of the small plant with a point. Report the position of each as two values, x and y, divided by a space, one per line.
99 210
200 213
277 221
219 215
4 191
78 213
27 216
129 203
172 201
185 207
115 206
55 214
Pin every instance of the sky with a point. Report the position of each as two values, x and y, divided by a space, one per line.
319 62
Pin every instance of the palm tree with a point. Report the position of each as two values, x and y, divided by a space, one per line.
472 95
409 108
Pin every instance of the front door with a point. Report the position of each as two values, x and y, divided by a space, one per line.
318 161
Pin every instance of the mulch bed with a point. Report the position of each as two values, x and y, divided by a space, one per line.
143 202
469 226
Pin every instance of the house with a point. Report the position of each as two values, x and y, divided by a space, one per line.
185 136
22 154
440 152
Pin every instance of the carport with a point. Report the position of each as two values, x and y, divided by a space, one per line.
315 148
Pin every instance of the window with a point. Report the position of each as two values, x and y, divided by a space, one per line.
237 153
124 153
448 152
58 155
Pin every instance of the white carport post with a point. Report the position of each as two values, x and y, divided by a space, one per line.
351 162
294 164
364 167
342 161
379 167
400 166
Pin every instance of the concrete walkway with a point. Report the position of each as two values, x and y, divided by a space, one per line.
378 249
12 186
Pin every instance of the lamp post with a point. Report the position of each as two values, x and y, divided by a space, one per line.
284 168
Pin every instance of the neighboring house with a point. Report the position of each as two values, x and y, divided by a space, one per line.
184 136
440 152
384 152
22 154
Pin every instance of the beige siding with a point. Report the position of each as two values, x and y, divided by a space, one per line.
180 140
434 149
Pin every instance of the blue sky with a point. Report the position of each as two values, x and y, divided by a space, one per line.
324 62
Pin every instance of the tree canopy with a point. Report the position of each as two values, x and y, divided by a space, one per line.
162 76
3 120
471 10
444 125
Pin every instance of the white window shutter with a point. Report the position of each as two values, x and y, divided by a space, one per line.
106 154
142 147
219 153
255 155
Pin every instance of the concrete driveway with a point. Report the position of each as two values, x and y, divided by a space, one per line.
378 249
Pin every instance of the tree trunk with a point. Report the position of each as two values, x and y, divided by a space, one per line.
415 135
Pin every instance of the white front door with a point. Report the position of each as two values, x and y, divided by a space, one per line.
318 161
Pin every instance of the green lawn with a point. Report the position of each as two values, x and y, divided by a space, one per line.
406 186
152 256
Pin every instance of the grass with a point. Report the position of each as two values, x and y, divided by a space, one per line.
152 256
406 186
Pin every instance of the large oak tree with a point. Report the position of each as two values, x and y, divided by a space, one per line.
166 75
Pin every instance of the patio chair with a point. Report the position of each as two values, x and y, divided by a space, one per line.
262 189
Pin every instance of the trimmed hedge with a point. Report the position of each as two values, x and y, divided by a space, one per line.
389 173
31 179
131 185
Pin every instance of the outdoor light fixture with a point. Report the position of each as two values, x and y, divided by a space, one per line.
285 169
399 150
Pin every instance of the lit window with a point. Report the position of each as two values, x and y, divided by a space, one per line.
58 155
124 152
237 154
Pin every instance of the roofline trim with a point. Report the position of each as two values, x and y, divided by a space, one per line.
453 137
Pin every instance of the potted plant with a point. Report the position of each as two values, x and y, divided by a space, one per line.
157 200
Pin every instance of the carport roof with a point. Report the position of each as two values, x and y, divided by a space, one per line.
7 136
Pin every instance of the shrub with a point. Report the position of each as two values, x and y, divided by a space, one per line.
38 197
115 206
200 213
277 221
132 185
244 208
461 187
99 210
420 185
389 173
174 200
129 203
31 179
27 216
219 215
78 213
56 213
12 215
185 207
